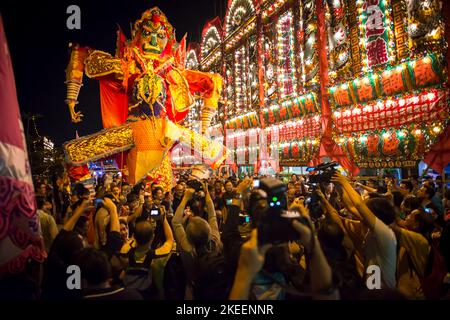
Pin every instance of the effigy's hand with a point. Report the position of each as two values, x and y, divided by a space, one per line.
75 116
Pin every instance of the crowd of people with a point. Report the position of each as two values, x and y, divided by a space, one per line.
202 240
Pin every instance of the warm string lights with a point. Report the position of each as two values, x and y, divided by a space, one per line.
272 8
237 11
285 44
240 83
308 54
191 60
239 35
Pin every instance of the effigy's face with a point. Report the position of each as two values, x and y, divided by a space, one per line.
153 38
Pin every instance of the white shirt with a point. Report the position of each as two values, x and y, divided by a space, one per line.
381 250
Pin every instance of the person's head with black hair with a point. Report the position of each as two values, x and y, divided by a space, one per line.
388 178
372 183
407 185
382 189
41 188
144 233
81 191
68 244
137 188
218 187
420 222
426 192
294 178
330 235
382 208
40 202
124 230
95 268
82 226
157 194
229 187
409 204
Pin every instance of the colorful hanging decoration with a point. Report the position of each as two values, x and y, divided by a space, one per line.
298 152
392 147
425 107
408 76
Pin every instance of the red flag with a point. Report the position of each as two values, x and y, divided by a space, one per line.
180 53
439 155
20 237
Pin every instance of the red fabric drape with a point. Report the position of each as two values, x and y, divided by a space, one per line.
328 147
439 155
114 103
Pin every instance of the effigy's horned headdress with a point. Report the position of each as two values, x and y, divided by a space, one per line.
156 18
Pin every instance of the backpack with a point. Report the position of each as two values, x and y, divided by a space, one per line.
138 275
174 278
212 277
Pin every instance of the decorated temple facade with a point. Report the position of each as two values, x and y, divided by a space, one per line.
360 80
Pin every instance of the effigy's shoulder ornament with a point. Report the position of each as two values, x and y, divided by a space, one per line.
100 63
179 89
99 145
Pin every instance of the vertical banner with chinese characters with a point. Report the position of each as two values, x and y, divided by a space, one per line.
375 32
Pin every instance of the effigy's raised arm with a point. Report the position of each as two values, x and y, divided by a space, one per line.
74 78
96 64
209 86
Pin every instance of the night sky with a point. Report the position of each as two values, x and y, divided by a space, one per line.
38 39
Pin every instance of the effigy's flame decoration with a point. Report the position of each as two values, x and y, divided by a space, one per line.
145 93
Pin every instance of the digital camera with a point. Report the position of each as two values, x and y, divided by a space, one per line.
195 184
325 172
271 217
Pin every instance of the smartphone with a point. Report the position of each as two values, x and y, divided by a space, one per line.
98 202
428 210
154 212
256 183
229 202
244 218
